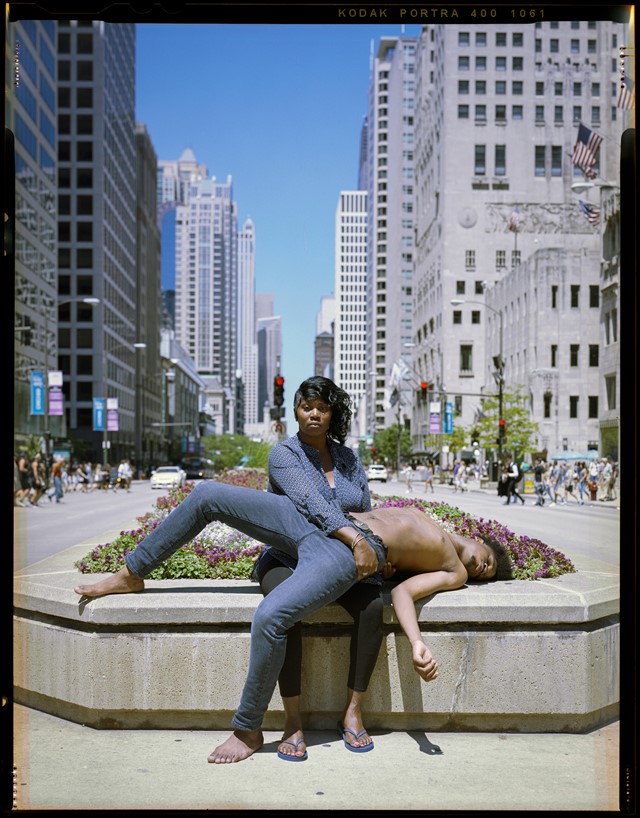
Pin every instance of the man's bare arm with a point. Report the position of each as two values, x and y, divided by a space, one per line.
403 598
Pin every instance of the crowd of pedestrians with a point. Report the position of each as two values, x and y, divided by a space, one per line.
581 482
33 483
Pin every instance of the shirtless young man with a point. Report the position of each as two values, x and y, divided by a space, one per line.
385 540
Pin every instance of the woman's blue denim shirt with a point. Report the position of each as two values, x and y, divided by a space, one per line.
295 470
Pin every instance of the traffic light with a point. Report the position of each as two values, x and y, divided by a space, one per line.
424 388
502 429
278 390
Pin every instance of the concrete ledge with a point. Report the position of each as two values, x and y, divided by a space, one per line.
516 656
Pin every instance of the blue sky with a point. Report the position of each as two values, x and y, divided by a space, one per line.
279 108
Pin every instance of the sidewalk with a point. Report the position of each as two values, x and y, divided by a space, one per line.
65 766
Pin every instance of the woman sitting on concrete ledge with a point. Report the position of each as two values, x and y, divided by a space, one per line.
390 539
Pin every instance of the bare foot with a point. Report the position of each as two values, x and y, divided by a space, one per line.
240 745
293 744
124 582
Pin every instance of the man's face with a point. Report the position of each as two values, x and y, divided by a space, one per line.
480 561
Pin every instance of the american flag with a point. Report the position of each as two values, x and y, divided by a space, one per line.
585 149
627 95
590 212
514 220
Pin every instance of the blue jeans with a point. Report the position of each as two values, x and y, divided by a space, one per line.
326 569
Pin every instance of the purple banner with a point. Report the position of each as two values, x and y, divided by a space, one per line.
112 420
56 401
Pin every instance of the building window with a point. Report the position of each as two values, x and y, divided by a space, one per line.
574 350
575 295
554 46
501 113
558 89
556 160
573 406
480 160
577 89
595 114
517 64
558 114
481 113
539 113
539 168
501 259
460 287
554 355
517 39
463 38
547 404
501 63
539 89
479 288
594 295
501 38
593 406
517 112
575 46
463 112
554 296
481 63
610 387
481 38
475 317
501 160
577 113
469 263
517 87
463 86
466 358
457 316
594 356
463 63
501 87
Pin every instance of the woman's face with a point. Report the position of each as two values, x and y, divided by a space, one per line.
314 417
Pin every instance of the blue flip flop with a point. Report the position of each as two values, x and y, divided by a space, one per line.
287 757
342 730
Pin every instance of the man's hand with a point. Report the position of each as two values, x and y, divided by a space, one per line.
388 571
366 559
424 663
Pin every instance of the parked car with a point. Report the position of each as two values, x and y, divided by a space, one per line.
198 468
377 471
168 477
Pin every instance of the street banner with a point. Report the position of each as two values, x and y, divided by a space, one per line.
112 415
448 418
56 396
434 417
37 393
98 414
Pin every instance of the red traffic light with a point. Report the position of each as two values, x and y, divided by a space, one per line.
501 423
279 380
424 386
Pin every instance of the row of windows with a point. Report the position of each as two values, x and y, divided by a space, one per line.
517 37
517 113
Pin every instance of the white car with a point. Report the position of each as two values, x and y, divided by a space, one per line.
168 477
377 471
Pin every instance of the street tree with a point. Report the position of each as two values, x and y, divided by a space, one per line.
386 443
519 430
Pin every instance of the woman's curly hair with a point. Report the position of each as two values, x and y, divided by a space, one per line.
335 397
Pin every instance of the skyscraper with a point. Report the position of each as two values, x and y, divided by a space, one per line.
207 282
500 110
350 348
248 349
390 188
97 225
30 110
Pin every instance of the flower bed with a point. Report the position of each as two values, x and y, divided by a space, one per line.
221 552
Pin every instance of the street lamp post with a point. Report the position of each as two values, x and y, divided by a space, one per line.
499 364
138 345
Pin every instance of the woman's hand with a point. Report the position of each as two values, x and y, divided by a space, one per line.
366 559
